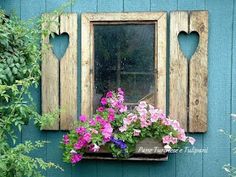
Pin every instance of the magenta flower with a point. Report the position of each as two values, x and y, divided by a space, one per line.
87 137
101 120
80 144
76 158
80 130
103 101
100 109
83 118
109 94
111 117
66 139
92 122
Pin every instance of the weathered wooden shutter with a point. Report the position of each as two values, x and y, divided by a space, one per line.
188 79
59 78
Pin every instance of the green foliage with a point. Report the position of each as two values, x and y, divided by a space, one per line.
20 56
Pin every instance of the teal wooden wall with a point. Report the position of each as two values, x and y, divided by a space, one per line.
222 92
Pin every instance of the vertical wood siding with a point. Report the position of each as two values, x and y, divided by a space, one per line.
221 94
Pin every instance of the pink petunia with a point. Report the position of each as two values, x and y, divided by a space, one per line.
100 109
191 140
100 120
123 108
76 158
109 94
111 117
83 118
92 122
87 137
107 130
136 132
103 101
142 104
66 139
169 139
80 130
80 144
123 128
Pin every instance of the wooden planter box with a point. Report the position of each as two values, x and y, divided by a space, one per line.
146 150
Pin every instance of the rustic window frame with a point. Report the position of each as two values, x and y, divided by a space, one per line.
87 55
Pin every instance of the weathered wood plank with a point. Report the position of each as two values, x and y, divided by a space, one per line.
68 73
160 64
178 69
198 74
50 72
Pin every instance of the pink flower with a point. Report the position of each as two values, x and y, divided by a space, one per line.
154 117
76 158
94 148
83 118
169 139
109 94
121 91
101 120
87 137
107 130
100 109
80 130
145 123
111 111
123 108
191 140
182 136
127 121
111 117
142 104
66 139
123 128
136 132
103 101
92 122
81 143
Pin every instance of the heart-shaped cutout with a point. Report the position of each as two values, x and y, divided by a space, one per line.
59 44
188 43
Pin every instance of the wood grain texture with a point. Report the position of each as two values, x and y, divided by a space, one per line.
68 73
50 72
160 54
198 74
178 70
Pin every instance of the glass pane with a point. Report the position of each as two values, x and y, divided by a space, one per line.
124 57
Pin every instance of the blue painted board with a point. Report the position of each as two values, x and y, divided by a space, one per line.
137 5
233 89
163 5
219 86
110 5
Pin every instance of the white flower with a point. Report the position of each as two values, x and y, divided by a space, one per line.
73 151
167 148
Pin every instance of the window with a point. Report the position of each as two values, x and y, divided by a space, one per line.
126 50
